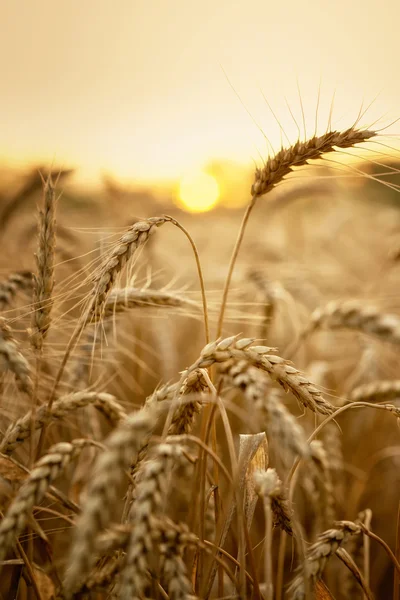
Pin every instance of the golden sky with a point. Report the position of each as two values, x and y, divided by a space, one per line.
138 87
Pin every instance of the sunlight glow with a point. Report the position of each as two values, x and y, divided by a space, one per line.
198 191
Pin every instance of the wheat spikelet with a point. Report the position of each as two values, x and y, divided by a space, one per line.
276 511
349 584
13 360
318 555
115 538
136 236
19 431
44 280
376 391
353 315
277 368
122 299
270 487
150 495
175 573
100 579
32 491
193 383
280 424
280 165
122 447
185 413
21 280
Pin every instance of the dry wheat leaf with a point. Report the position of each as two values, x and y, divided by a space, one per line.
45 585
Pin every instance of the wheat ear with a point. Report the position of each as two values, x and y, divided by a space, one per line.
277 368
351 314
275 169
185 412
19 431
34 488
21 280
281 426
150 495
269 488
269 484
123 299
318 555
175 572
135 237
13 359
44 279
122 447
377 391
101 578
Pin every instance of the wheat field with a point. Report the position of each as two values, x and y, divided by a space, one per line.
203 406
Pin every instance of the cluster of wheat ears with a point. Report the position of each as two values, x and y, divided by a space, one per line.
212 487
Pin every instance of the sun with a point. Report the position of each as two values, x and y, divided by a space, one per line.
198 191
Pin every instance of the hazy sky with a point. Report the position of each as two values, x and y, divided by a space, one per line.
138 87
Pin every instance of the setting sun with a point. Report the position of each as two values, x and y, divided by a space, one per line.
199 191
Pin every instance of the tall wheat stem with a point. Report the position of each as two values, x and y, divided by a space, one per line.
232 264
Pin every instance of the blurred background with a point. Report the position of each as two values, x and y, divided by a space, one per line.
176 101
